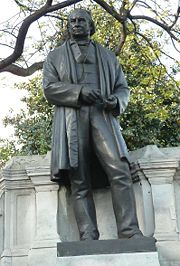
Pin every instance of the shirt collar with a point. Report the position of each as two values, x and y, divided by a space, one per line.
80 43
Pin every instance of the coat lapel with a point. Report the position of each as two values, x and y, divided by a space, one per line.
70 113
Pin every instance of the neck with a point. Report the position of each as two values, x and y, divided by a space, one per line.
80 39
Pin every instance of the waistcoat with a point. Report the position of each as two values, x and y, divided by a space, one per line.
86 65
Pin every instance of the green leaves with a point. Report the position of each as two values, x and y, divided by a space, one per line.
33 124
152 114
7 150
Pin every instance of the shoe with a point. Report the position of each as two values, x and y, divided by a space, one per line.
90 236
137 236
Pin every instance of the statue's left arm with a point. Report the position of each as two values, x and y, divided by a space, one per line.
117 101
120 90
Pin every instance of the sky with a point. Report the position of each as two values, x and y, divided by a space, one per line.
9 98
9 95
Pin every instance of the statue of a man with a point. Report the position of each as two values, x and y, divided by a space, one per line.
87 86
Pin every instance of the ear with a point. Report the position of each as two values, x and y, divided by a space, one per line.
68 26
92 28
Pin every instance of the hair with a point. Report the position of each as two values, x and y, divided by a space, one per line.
89 16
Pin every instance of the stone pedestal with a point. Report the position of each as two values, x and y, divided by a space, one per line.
108 252
17 219
161 168
169 253
29 213
131 259
43 250
35 213
160 171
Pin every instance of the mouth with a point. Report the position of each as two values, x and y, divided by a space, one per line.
77 29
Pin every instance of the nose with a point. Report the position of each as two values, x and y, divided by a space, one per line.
76 22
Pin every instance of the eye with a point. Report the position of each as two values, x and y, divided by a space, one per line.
81 19
72 20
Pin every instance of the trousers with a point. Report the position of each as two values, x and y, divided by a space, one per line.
94 132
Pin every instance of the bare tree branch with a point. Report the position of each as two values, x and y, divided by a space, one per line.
49 2
145 5
7 20
151 46
55 16
174 45
19 46
122 15
170 57
136 32
175 20
23 72
62 5
110 10
122 39
156 22
23 6
7 45
10 33
133 5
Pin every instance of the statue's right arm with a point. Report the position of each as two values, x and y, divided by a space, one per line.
56 91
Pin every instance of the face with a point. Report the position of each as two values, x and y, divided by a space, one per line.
79 24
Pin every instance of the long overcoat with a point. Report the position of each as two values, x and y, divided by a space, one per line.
61 89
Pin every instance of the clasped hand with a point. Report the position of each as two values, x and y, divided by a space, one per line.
92 96
110 103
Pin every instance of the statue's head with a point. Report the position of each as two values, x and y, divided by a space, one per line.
80 23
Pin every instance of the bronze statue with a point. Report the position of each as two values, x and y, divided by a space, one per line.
87 86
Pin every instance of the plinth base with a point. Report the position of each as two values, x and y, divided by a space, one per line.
123 259
118 252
